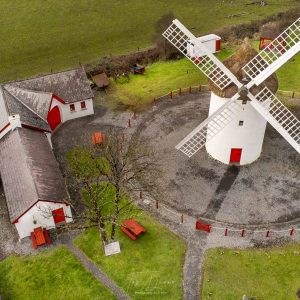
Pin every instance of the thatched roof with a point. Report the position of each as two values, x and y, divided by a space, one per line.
234 63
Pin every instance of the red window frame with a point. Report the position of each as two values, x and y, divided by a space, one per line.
83 105
72 107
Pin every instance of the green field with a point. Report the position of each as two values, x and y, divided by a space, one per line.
53 274
148 268
258 273
37 36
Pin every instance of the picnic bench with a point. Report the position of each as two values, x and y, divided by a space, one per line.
39 237
132 228
98 138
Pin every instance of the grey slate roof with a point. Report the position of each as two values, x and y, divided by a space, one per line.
39 102
28 117
29 175
70 86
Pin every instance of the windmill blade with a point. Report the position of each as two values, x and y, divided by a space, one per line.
178 35
278 52
210 127
269 106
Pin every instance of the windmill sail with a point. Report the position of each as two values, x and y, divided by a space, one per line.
270 107
178 35
209 128
278 52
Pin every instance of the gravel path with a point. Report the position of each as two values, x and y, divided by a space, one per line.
92 268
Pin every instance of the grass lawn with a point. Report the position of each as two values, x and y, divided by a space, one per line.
159 79
37 36
54 274
148 268
261 273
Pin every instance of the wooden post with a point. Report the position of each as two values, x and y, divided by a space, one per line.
128 123
141 195
154 102
190 89
180 92
293 95
226 232
243 233
171 94
268 233
134 115
156 204
200 88
181 219
292 231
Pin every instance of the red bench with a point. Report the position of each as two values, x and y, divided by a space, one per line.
132 228
39 237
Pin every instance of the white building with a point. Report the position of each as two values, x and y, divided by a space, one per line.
211 41
30 110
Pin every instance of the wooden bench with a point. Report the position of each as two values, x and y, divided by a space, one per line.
132 228
40 237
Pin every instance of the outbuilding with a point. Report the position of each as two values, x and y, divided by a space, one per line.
211 41
34 188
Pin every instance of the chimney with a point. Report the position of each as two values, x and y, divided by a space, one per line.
15 121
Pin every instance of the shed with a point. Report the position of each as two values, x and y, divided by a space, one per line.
34 187
211 41
101 80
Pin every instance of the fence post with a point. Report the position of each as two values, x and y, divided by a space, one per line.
154 102
292 231
200 88
293 95
181 219
190 89
171 94
243 233
141 195
129 123
226 232
268 233
156 204
180 92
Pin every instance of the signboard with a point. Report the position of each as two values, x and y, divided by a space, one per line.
112 248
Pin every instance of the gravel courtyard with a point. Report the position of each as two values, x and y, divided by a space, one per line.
266 191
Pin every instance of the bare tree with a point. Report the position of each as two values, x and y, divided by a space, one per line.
107 174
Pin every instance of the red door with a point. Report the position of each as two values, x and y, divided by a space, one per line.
218 45
54 117
235 155
58 215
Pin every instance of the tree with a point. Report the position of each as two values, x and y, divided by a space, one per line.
107 174
166 49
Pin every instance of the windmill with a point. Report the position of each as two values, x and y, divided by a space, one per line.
235 127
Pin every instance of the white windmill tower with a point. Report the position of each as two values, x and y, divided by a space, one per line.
235 128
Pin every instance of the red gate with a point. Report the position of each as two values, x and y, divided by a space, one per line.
54 118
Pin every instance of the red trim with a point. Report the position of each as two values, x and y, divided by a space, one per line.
2 129
34 128
58 99
39 200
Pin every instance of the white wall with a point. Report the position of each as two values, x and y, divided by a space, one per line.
249 137
66 114
25 224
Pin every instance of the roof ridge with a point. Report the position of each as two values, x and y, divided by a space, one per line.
15 97
27 90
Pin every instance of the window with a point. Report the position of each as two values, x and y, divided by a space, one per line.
241 123
72 107
83 105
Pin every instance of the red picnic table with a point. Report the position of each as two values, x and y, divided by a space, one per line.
132 228
40 237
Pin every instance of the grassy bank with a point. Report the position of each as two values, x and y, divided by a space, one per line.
148 268
38 36
54 274
258 273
